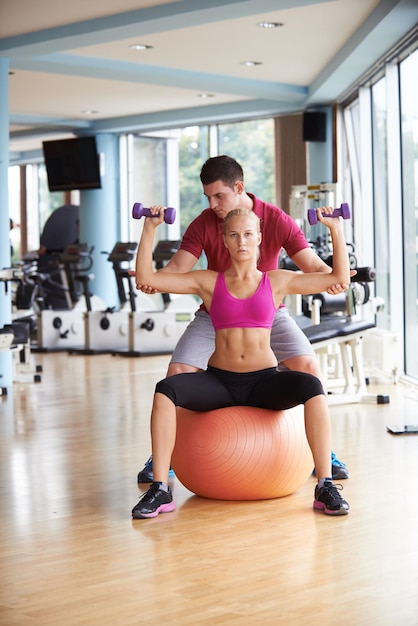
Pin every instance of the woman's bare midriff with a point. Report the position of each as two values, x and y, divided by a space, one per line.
243 350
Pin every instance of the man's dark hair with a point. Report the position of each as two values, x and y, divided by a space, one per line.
223 168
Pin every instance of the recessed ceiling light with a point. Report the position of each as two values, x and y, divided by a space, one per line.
140 46
251 63
205 95
89 112
270 24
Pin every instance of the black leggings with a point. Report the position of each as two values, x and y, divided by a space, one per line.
215 388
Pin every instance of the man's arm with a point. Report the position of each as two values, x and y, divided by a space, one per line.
308 261
181 261
338 274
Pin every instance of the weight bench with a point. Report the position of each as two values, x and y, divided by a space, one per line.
6 340
16 337
336 340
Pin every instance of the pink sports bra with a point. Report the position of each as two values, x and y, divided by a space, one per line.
257 311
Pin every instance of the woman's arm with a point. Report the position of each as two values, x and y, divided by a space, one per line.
308 261
182 261
293 282
168 282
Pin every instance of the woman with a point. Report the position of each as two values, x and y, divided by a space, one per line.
242 370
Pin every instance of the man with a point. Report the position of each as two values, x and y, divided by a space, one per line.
223 185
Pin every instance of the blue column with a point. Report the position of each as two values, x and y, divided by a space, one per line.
6 373
99 219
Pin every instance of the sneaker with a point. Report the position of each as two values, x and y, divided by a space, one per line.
339 469
328 499
146 475
154 501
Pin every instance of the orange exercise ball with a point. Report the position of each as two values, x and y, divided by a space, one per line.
241 452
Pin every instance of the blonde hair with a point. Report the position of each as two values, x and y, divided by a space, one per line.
244 212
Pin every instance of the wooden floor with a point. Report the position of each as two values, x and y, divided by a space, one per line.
70 449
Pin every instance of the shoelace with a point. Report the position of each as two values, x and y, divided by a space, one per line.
333 491
150 494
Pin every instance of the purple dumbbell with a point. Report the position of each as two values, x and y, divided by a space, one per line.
343 211
138 211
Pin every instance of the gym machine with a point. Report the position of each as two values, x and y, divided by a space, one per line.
64 329
303 197
107 330
143 324
15 337
158 331
336 325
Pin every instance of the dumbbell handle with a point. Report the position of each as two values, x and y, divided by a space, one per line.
138 211
343 211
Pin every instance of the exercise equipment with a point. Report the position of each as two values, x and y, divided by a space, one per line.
342 211
107 330
138 211
139 327
303 197
364 275
158 331
51 288
241 453
15 337
64 329
339 326
61 229
336 333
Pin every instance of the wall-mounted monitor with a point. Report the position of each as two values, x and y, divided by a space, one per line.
72 164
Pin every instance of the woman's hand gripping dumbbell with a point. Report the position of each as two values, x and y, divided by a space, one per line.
138 211
343 211
317 215
169 215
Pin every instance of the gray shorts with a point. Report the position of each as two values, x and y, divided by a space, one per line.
198 340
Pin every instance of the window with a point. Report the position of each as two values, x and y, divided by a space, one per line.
14 212
165 166
381 222
380 170
409 139
251 143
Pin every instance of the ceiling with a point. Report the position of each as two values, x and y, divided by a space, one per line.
73 70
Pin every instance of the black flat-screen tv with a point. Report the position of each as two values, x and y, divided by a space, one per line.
72 164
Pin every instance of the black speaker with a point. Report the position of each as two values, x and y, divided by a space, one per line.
314 126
